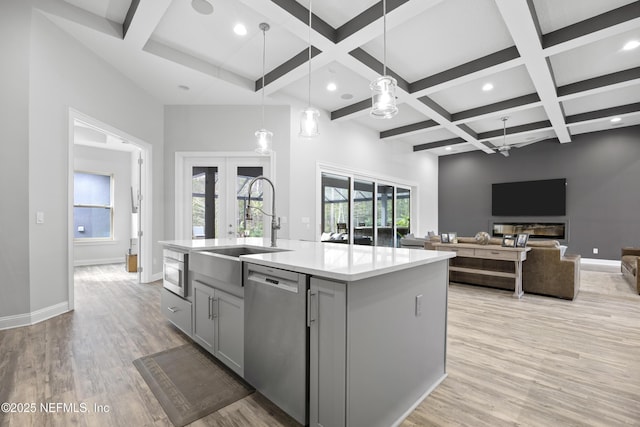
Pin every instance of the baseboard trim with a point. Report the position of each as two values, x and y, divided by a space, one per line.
49 312
596 261
156 276
419 401
83 262
28 319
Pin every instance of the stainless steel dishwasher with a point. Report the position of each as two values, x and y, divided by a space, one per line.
276 340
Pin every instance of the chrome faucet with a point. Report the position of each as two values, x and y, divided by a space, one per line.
275 221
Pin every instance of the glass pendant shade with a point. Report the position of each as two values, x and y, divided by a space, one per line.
264 138
309 122
383 97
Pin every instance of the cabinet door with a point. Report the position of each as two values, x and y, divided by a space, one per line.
203 320
327 353
229 340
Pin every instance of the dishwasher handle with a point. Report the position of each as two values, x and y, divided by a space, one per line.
260 279
310 318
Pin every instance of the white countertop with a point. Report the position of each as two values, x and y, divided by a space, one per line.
331 260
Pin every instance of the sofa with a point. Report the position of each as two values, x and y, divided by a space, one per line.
546 271
629 265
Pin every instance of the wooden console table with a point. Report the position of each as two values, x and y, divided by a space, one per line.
469 250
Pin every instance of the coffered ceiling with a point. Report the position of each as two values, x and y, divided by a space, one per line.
558 67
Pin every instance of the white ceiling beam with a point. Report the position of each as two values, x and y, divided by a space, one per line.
333 51
145 19
71 13
170 54
485 72
606 25
521 23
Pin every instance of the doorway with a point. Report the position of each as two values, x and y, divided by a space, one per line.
110 219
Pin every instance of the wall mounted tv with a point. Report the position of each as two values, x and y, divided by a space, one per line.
529 198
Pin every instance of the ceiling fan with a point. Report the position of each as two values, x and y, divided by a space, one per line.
505 148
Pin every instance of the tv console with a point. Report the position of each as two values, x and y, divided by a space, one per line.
492 252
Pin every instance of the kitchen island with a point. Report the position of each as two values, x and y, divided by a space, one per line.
376 324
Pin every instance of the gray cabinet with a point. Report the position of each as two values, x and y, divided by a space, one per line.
218 324
203 316
327 353
229 327
177 310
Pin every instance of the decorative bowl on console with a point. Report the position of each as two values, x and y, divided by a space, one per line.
482 238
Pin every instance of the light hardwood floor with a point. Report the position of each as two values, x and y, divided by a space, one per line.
537 361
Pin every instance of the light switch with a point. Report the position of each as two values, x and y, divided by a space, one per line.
418 305
39 217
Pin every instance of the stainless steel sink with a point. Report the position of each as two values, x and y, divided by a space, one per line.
236 251
224 264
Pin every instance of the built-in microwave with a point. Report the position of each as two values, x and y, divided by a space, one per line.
174 271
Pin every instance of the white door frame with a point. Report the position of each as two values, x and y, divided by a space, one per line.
146 243
224 160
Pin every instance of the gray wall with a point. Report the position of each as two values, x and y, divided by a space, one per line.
15 23
603 188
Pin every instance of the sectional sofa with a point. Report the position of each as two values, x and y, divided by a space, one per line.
629 265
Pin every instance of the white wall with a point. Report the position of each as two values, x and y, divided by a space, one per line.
64 74
224 129
351 146
118 164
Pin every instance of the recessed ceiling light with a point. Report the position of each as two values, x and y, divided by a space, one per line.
616 120
631 45
183 87
331 87
487 87
240 30
347 96
202 6
448 148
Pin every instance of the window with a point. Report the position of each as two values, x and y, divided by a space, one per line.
335 203
92 206
403 211
358 209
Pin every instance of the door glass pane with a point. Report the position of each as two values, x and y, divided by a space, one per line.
403 213
243 178
384 213
363 208
335 208
204 206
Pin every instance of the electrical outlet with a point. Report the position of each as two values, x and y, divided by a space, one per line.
595 251
418 305
39 217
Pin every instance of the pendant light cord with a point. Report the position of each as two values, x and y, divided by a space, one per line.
264 55
310 4
384 35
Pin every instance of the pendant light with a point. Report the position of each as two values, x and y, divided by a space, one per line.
263 136
383 89
309 116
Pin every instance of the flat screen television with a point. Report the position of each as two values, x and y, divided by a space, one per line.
529 198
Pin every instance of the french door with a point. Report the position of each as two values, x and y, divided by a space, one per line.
214 196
